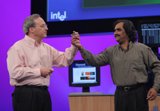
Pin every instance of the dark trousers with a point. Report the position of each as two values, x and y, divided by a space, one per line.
132 99
31 98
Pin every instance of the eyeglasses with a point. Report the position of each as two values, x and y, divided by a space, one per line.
42 26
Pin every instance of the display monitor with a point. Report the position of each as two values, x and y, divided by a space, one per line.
83 75
63 10
91 16
149 33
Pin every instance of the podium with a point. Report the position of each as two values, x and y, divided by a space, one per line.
91 102
100 102
155 105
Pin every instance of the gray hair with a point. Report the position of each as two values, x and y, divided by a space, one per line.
29 22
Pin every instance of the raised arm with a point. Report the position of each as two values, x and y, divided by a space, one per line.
65 58
95 60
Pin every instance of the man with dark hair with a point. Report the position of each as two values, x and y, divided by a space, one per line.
129 29
30 63
129 62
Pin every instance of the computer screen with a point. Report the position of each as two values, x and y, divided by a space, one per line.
149 33
91 16
83 75
63 10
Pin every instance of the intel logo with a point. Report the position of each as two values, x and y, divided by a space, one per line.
59 16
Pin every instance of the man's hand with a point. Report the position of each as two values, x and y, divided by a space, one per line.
76 40
45 71
152 94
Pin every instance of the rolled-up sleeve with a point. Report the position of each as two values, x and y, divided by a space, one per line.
63 58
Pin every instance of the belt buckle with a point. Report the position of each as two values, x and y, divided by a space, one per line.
126 89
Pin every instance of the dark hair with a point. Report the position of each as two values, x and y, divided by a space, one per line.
129 29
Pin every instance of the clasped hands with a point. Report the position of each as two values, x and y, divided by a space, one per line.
76 40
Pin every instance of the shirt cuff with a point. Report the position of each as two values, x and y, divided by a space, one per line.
74 47
37 71
156 87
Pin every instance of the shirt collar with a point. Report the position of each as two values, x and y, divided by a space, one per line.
129 47
31 41
130 44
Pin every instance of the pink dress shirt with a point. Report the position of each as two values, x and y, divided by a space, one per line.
26 57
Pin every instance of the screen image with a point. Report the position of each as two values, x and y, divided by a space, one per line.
81 74
150 33
102 3
96 16
84 75
63 10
